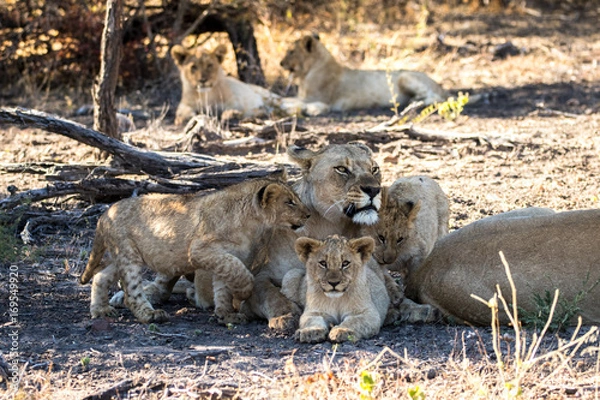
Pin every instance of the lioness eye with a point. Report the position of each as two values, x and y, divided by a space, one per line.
375 170
342 170
400 240
345 264
291 203
193 68
381 239
323 264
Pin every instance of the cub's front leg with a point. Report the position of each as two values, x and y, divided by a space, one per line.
356 327
313 328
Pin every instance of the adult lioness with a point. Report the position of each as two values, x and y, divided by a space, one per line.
337 290
206 88
545 251
322 79
340 184
177 234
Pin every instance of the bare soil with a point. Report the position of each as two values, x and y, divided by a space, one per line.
538 124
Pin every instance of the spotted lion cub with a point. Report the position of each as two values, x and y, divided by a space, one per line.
175 235
337 290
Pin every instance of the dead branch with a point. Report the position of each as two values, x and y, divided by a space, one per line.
136 160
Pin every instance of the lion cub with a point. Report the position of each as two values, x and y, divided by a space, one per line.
175 235
414 214
337 289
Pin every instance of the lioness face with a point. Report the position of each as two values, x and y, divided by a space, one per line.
334 263
396 222
284 206
300 57
344 181
200 68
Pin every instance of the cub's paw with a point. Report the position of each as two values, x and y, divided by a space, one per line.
233 318
284 323
413 312
339 334
311 335
393 315
118 299
147 316
103 311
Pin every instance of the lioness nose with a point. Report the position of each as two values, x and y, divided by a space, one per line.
372 191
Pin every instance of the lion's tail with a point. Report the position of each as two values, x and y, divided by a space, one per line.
94 263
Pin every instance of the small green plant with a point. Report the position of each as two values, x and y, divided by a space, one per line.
153 328
452 108
416 393
85 361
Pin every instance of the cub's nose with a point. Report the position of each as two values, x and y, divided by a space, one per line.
334 283
371 191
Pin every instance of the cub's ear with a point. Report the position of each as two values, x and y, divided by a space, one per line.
268 193
363 246
308 42
410 209
220 52
179 54
305 246
315 36
301 156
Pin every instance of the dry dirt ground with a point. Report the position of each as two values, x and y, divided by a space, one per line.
537 143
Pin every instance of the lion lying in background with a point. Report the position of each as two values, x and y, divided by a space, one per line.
343 298
545 251
174 235
322 79
206 88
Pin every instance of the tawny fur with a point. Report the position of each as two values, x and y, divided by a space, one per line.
343 298
207 89
544 250
322 79
175 235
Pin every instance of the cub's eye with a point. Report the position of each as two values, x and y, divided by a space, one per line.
345 264
193 69
323 264
375 170
381 239
400 240
342 170
291 203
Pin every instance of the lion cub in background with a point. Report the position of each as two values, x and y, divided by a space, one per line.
337 289
175 235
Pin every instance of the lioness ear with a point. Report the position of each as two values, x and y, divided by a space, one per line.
301 156
267 194
363 246
315 36
305 246
220 52
179 53
362 146
280 175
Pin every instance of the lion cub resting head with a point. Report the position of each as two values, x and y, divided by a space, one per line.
175 235
322 79
414 214
338 290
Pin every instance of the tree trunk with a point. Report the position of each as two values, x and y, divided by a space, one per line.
105 112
